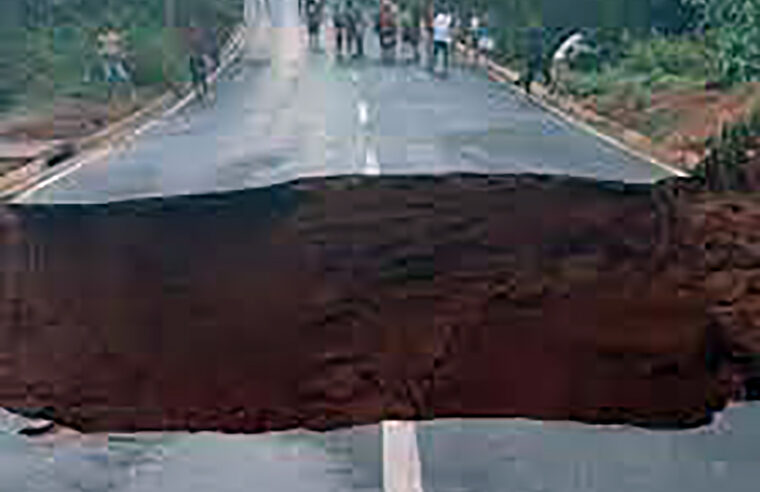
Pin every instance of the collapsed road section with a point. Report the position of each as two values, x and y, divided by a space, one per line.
331 302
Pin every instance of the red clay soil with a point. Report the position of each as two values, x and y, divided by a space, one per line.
332 302
690 117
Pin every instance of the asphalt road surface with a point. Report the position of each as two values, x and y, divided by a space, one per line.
284 112
455 456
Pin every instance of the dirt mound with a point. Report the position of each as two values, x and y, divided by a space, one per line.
338 301
68 119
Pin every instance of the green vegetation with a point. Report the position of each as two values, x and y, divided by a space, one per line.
650 61
732 160
734 28
48 48
656 63
667 42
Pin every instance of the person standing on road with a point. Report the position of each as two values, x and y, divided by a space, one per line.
485 43
441 39
410 29
112 52
339 24
474 30
355 28
535 57
387 29
197 60
314 20
429 20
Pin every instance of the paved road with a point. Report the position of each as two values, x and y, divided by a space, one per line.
285 113
456 456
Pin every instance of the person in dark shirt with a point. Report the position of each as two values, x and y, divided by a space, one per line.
355 28
314 21
339 23
535 56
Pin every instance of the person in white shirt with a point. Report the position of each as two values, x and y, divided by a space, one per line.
474 30
441 39
561 58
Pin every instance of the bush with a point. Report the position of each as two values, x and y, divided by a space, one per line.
728 154
153 51
679 56
608 80
586 62
49 47
655 63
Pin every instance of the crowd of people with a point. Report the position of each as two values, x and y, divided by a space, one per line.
114 68
348 22
406 29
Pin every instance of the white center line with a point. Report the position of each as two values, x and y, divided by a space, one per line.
401 457
371 165
94 156
363 109
99 153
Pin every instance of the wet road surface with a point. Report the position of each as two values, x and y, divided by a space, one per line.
284 112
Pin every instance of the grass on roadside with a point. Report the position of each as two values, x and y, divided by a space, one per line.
45 61
733 158
654 64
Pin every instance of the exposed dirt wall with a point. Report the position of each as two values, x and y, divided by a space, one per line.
329 302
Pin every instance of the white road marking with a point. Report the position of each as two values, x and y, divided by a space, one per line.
147 127
23 196
363 109
65 170
372 165
625 148
401 457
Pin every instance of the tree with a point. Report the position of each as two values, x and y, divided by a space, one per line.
733 27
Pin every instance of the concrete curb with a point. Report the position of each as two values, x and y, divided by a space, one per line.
38 173
624 139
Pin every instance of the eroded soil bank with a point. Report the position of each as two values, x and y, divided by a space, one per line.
329 302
